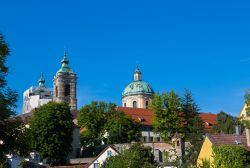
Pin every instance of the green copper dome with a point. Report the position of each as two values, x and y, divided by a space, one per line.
137 87
65 67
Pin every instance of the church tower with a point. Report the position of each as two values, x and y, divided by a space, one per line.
64 85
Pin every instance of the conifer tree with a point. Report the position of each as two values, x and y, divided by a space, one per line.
193 128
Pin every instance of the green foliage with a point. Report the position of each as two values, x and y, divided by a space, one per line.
51 130
93 118
23 164
167 120
225 123
104 123
8 99
230 156
121 128
193 129
4 164
204 164
246 122
172 114
134 157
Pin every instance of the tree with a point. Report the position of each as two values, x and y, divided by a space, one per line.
51 128
121 128
93 118
225 123
104 123
172 114
246 122
167 111
230 156
8 100
193 129
134 157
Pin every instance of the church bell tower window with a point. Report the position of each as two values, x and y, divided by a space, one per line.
56 92
67 90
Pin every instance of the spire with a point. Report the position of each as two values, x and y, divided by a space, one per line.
65 59
65 67
41 81
137 70
137 74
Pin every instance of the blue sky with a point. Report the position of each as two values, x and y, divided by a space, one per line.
200 45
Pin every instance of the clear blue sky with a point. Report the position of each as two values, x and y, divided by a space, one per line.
200 45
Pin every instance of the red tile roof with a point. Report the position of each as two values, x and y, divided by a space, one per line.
229 139
209 119
145 116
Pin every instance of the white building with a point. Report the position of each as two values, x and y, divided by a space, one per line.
36 96
103 156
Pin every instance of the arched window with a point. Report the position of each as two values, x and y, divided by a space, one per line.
124 105
146 104
177 143
67 90
134 104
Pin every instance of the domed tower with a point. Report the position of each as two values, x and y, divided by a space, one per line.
138 93
64 82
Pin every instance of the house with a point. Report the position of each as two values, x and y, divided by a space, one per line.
145 117
103 156
222 139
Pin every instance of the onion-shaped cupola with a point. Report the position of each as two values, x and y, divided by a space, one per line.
41 81
65 65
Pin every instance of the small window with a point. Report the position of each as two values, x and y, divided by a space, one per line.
96 165
177 143
56 91
67 90
146 104
157 139
124 105
144 139
134 104
151 139
109 153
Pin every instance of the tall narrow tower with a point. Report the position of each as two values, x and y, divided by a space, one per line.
64 82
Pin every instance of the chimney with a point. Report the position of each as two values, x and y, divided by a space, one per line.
248 136
237 129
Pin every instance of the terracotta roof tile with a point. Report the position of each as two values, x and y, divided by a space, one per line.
145 116
209 119
229 139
